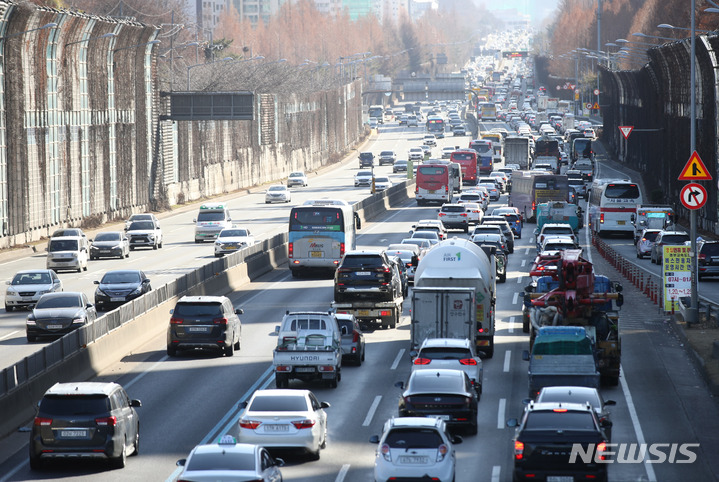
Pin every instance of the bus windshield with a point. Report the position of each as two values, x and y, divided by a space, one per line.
432 171
316 219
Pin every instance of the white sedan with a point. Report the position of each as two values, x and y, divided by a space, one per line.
231 239
382 183
278 193
27 286
297 178
286 418
363 178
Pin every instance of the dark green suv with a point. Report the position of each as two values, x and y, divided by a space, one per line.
85 420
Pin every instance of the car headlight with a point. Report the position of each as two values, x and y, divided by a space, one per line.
10 292
99 292
136 291
151 236
79 320
94 248
43 292
218 243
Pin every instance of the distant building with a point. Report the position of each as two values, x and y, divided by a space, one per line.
208 12
417 8
358 8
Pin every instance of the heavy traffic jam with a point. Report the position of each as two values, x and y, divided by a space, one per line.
467 334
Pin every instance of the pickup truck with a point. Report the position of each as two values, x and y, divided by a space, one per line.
309 347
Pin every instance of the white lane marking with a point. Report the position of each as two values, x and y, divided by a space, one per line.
496 470
9 334
524 263
507 360
397 359
511 324
372 410
526 250
500 413
651 476
343 473
519 279
515 298
140 375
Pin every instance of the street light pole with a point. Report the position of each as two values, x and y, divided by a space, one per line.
693 314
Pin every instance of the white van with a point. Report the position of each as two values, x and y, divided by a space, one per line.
67 252
212 218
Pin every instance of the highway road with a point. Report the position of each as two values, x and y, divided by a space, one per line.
195 398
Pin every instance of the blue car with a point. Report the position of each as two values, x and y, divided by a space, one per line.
515 223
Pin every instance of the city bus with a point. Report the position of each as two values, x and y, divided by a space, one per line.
488 111
485 155
529 189
467 160
435 125
320 232
433 184
612 206
376 112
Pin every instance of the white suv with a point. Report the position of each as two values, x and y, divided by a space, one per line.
449 353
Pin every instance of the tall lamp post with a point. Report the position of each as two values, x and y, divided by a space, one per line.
17 34
693 314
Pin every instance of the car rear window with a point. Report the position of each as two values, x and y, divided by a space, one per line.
571 396
453 209
470 197
271 403
445 353
675 238
346 327
361 261
651 235
221 461
189 309
710 249
74 405
413 438
557 230
551 420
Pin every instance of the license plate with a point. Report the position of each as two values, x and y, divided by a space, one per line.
73 433
410 459
231 246
117 299
442 417
276 427
27 298
432 191
363 312
54 327
621 223
305 369
560 478
197 329
316 254
106 251
363 273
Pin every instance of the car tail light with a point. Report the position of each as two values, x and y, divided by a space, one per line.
442 450
42 422
326 368
422 361
176 321
290 250
463 215
249 424
467 361
518 450
220 321
601 449
342 249
283 368
106 421
559 410
442 214
385 451
306 423
601 218
355 336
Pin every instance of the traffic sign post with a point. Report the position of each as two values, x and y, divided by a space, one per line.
693 196
626 130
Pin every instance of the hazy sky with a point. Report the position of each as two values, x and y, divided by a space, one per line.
538 9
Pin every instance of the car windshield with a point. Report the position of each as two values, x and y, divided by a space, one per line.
141 217
62 245
66 232
426 235
550 420
276 188
364 174
413 438
142 226
107 237
185 309
381 179
297 174
62 405
221 461
232 233
272 403
31 279
62 301
386 154
207 216
120 277
445 353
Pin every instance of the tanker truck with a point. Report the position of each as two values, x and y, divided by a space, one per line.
451 264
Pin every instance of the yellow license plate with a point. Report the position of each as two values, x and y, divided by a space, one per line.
432 192
621 223
482 342
363 312
316 254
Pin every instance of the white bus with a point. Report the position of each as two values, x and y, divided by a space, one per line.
612 205
320 232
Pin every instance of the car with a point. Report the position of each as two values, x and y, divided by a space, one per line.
409 254
571 394
110 244
506 230
445 393
492 189
366 159
430 225
59 313
557 243
387 157
229 460
403 119
646 241
491 229
708 258
494 245
144 234
211 219
429 140
141 217
450 353
204 322
232 239
278 193
363 178
119 286
554 229
432 236
474 194
366 274
353 344
381 183
412 121
285 418
454 216
559 426
27 286
423 244
474 212
447 152
459 130
297 178
401 273
415 154
400 165
667 238
504 180
426 150
415 448
85 420
67 253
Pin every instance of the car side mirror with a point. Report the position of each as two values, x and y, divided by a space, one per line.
172 311
413 353
512 422
244 404
135 403
457 439
399 385
239 311
526 401
96 282
89 306
279 462
525 355
609 403
181 462
194 220
277 329
325 405
374 439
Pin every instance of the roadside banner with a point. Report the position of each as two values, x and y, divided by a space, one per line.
676 273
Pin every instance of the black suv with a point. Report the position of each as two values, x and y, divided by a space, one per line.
366 159
708 258
204 322
367 275
85 420
546 437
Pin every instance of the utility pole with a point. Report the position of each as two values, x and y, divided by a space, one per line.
693 314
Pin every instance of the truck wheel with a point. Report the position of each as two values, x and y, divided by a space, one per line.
395 318
610 381
282 381
490 350
503 277
333 384
525 324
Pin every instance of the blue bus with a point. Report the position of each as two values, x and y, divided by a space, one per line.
320 232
